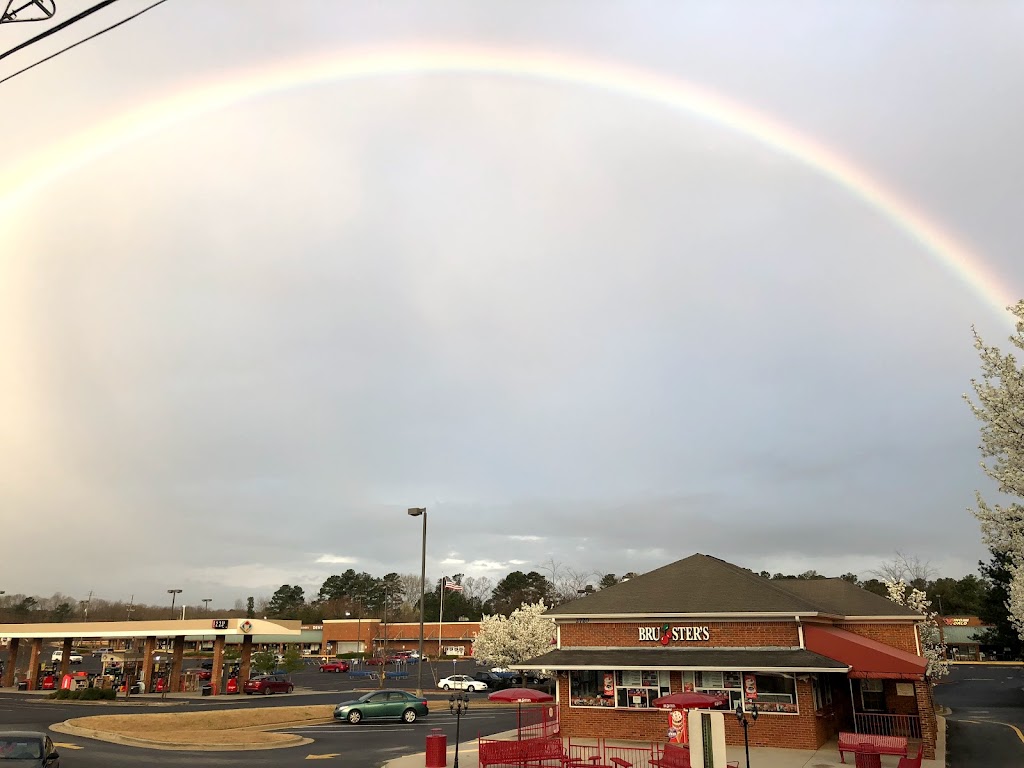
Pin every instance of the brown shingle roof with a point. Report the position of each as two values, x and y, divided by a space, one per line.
704 585
843 598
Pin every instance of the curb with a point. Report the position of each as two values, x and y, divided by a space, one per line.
132 741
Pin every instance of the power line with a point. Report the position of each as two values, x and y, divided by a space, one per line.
54 30
84 40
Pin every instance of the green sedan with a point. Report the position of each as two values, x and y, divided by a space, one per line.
397 705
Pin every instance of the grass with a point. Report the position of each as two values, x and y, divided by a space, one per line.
227 727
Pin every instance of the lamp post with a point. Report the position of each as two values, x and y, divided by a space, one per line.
457 704
173 593
206 603
740 715
421 512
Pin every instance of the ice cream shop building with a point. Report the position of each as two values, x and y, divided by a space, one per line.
816 656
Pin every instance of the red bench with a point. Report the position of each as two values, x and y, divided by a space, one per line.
525 752
673 757
884 745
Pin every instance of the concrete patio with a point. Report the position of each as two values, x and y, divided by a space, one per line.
760 757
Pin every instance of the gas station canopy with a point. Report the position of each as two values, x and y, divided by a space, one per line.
122 630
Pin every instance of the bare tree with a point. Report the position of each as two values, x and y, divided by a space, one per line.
478 588
907 568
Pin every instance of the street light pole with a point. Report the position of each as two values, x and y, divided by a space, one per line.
421 512
173 593
746 724
457 704
206 603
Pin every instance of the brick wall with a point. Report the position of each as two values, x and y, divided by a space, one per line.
721 634
800 731
902 636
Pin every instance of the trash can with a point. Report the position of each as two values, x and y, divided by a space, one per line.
23 685
437 749
206 690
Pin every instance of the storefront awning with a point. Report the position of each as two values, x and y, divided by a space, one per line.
706 659
866 658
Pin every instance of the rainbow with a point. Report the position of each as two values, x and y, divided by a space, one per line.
30 178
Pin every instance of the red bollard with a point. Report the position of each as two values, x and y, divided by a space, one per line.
437 749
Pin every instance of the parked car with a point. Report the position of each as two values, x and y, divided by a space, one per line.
267 684
335 666
461 682
202 674
375 661
206 664
28 748
400 705
492 680
74 658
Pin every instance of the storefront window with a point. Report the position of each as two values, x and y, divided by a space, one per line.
776 692
773 692
636 690
591 688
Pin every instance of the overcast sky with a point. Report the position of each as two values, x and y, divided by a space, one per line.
573 323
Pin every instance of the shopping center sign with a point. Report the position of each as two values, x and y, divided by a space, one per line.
666 634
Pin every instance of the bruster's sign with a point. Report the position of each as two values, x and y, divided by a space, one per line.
666 634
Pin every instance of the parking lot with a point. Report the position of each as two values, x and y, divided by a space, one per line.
309 678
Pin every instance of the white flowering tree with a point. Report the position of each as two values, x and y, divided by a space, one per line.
932 647
999 406
524 634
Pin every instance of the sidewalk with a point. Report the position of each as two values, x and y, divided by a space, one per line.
760 757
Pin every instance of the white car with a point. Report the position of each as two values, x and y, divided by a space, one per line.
461 683
74 658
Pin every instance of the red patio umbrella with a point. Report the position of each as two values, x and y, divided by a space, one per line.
520 696
689 700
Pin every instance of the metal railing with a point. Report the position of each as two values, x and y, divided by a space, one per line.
538 721
887 725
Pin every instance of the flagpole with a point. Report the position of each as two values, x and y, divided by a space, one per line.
440 619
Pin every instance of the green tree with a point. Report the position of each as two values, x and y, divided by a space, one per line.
608 580
250 608
998 572
286 602
292 660
62 613
518 588
264 662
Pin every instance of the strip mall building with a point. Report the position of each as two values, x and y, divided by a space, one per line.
817 656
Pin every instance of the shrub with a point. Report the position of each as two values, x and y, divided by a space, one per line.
61 694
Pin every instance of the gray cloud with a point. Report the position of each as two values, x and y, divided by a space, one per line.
573 325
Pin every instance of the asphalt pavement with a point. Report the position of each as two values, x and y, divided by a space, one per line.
367 745
985 727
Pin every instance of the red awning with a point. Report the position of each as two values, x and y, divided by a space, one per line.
866 658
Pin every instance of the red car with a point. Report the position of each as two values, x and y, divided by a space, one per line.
335 666
267 684
375 661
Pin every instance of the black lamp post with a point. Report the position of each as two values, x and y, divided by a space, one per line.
457 704
740 715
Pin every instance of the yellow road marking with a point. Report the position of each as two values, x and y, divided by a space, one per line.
1012 727
323 757
66 745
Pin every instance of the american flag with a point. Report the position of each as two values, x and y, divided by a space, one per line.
452 585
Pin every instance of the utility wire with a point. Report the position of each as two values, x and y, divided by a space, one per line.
84 40
54 30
